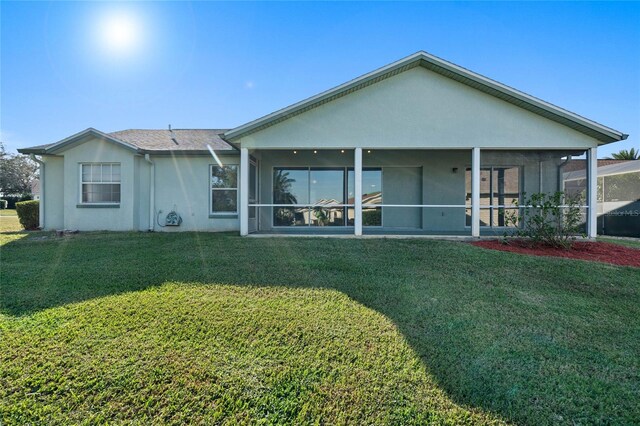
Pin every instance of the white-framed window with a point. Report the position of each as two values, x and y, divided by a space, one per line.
100 183
224 189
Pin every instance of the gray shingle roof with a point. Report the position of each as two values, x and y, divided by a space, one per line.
174 140
151 140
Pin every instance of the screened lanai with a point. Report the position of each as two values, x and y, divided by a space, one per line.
618 195
399 191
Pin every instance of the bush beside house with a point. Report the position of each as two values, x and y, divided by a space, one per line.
553 220
28 214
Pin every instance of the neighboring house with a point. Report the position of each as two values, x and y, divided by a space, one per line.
618 195
35 189
420 146
581 164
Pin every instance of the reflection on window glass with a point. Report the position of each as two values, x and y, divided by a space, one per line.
224 189
499 186
100 183
326 186
224 201
253 183
371 194
322 188
224 177
291 186
371 186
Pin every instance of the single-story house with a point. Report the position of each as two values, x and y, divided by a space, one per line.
420 146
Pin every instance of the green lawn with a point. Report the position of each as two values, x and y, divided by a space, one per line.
633 243
9 221
205 328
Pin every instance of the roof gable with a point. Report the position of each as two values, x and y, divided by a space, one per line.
590 128
76 139
154 141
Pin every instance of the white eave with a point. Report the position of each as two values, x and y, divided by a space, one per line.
598 131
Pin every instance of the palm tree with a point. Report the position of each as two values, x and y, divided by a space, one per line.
282 195
623 154
282 188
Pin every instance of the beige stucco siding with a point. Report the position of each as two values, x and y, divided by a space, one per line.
417 109
142 177
91 218
53 197
183 184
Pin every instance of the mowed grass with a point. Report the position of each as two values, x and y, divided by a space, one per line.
206 328
628 242
9 221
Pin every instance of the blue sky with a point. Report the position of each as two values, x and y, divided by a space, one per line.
218 65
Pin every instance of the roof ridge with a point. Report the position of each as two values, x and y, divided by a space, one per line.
160 130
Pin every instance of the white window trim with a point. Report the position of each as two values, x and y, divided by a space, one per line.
80 201
211 189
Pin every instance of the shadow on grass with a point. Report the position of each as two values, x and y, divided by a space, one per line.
535 340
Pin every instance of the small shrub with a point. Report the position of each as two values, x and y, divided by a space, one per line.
548 219
4 204
28 214
372 217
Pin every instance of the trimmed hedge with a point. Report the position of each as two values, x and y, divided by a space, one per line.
13 199
4 204
29 214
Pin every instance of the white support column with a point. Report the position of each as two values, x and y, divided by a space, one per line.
475 192
592 192
357 167
244 191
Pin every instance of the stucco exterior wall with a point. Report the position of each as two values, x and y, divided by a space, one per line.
142 178
183 184
90 218
54 192
417 109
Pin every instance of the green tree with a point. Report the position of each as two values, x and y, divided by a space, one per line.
282 186
17 173
623 154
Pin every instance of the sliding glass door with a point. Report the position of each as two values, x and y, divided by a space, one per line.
324 196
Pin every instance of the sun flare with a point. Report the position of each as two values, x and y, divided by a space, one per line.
121 33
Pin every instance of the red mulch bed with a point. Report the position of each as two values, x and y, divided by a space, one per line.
594 251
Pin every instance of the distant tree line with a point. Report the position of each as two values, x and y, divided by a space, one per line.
17 174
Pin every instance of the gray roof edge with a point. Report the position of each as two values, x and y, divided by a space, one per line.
52 148
417 59
32 150
186 152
